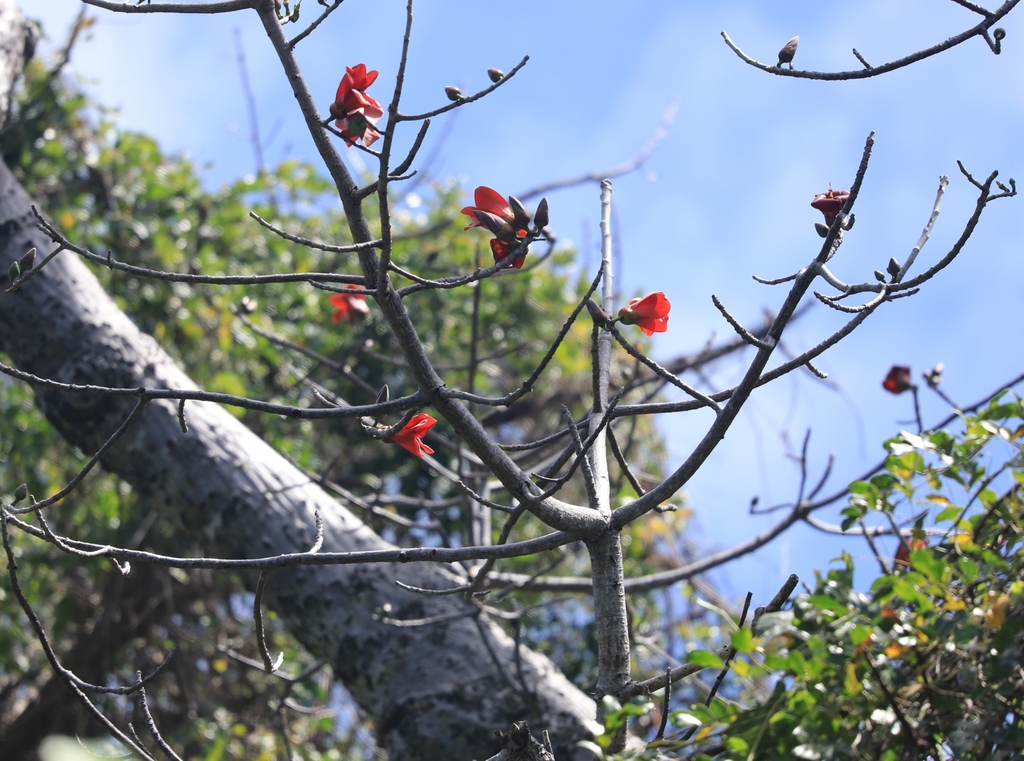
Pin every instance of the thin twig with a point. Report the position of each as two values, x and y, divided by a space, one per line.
980 30
54 498
151 723
72 682
223 6
745 334
634 163
309 30
270 666
464 100
660 371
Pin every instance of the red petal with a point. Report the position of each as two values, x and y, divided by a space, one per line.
487 199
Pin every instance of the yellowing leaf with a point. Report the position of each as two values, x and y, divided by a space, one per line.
851 684
996 615
894 650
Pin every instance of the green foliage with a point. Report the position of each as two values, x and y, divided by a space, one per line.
928 663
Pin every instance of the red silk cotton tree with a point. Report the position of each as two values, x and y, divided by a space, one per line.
426 636
355 113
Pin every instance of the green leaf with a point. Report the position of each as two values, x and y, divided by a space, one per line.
737 745
824 602
862 487
743 640
705 659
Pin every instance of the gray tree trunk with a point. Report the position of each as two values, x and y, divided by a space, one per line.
433 692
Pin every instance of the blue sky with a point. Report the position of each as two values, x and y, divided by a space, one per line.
725 196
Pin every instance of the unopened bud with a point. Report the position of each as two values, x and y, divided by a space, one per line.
879 276
454 93
788 51
934 376
496 75
821 228
20 493
27 260
999 33
498 226
597 313
519 212
13 272
893 267
541 217
384 395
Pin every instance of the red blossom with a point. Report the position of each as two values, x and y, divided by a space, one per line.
830 203
349 306
906 547
413 432
490 201
500 250
495 214
650 312
354 111
898 380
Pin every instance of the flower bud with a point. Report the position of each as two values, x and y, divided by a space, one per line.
519 212
14 272
496 75
541 217
879 275
498 226
934 376
821 228
898 380
27 260
384 395
999 33
454 93
893 268
20 493
597 314
788 51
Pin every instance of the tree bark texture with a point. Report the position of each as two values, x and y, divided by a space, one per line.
435 691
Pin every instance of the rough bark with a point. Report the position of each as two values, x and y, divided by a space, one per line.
18 38
435 691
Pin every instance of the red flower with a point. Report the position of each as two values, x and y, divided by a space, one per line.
493 213
413 432
906 547
500 250
354 111
898 380
830 203
349 306
490 201
649 312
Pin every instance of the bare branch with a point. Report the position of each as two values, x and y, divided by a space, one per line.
223 6
463 101
980 30
319 20
617 171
